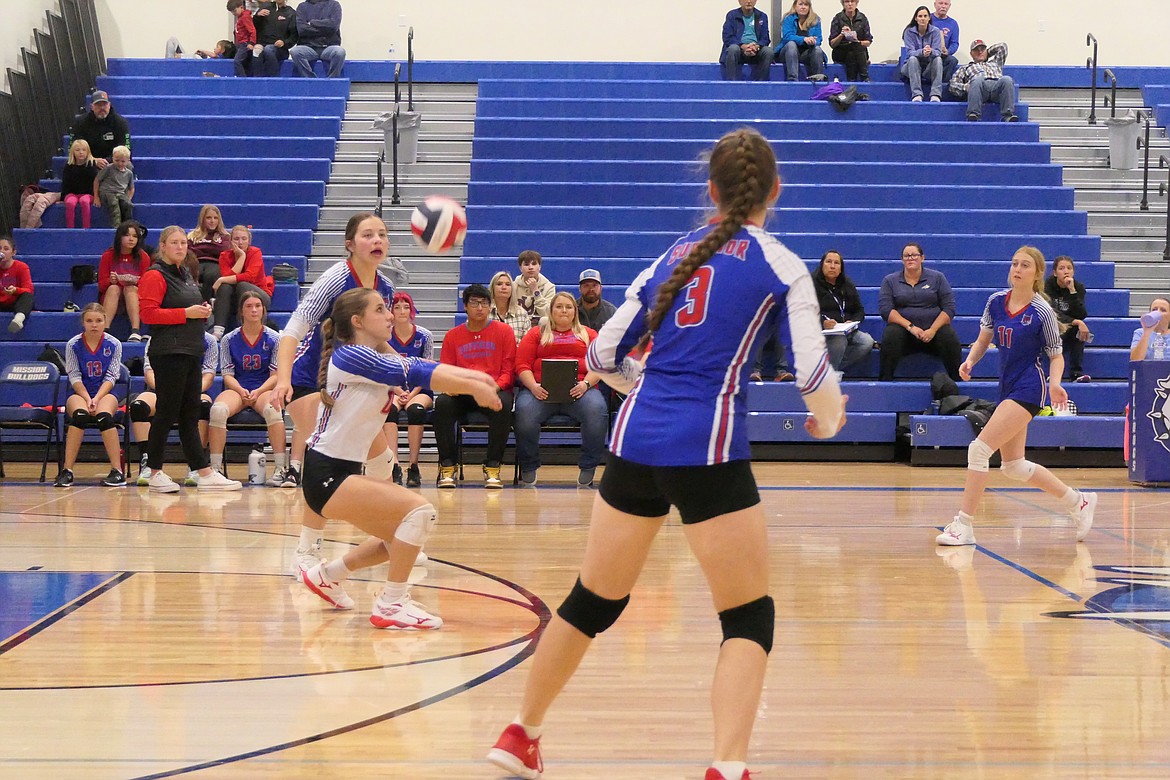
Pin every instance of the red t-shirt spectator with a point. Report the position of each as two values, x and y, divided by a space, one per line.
18 276
564 346
491 350
131 265
252 272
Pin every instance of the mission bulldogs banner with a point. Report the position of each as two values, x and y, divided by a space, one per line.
1149 421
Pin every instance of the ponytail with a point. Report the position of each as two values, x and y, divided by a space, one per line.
326 353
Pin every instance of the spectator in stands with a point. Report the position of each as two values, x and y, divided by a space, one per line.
487 346
224 50
840 304
93 360
77 179
1067 297
318 38
408 340
949 28
800 41
559 337
918 305
505 307
983 81
746 39
208 241
276 33
924 50
102 128
1151 341
247 50
119 270
850 39
171 304
113 188
247 359
772 362
241 270
531 289
593 310
16 286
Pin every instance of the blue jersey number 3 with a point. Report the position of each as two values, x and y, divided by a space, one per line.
695 295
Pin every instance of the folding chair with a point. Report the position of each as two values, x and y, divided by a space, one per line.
30 394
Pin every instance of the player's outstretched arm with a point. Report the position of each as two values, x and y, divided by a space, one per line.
455 380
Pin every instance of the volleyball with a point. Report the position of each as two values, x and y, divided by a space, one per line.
438 223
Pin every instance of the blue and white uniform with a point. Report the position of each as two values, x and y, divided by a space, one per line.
689 405
210 362
250 363
420 345
1025 339
305 323
93 367
358 381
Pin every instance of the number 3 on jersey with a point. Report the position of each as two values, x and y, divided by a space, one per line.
695 294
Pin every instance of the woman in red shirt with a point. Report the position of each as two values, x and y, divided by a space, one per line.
16 287
561 337
241 270
121 266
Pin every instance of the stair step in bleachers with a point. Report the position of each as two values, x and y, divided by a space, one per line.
150 82
1079 432
1107 398
159 215
219 191
205 163
222 147
220 126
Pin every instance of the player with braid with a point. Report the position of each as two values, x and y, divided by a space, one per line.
705 307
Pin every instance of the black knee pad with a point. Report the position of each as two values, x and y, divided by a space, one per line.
589 613
140 411
80 419
104 421
755 620
416 414
204 409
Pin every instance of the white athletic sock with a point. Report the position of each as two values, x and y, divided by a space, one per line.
533 732
217 460
1071 499
336 570
281 460
310 537
965 518
295 464
393 592
731 770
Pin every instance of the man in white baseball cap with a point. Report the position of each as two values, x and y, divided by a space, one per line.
593 310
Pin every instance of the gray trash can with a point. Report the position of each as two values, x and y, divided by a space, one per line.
408 126
1123 138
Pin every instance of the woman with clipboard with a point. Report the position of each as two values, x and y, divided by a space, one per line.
550 365
841 313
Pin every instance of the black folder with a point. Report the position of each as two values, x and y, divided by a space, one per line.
558 378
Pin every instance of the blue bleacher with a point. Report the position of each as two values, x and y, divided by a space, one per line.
203 163
161 214
89 244
220 191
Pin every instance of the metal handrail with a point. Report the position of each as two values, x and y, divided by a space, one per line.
394 194
410 69
397 85
1108 74
1092 63
1145 204
1163 188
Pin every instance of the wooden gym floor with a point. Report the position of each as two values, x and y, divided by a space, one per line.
158 636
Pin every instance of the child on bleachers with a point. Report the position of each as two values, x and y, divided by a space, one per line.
93 360
1068 301
77 183
208 241
119 270
245 33
16 287
531 289
113 188
247 359
241 270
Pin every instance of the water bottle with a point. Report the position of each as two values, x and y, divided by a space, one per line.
257 466
1160 349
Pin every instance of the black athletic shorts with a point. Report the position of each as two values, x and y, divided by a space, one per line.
1033 409
300 391
699 492
322 476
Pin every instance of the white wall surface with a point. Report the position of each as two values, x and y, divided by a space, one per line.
20 17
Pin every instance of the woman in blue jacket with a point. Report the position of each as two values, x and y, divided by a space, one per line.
800 40
924 49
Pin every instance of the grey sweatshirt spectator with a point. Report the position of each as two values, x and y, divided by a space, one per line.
918 305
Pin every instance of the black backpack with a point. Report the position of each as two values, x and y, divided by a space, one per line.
50 355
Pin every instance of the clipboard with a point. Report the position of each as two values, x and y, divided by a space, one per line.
558 377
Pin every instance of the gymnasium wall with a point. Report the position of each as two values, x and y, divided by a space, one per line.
20 17
1040 32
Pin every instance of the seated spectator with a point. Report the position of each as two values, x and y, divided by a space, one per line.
771 363
850 39
560 337
1151 341
918 305
505 307
77 180
276 32
318 38
487 346
16 287
223 50
531 289
208 241
593 310
247 50
924 49
143 406
949 28
241 270
983 81
840 303
1067 296
113 188
746 39
408 340
93 360
800 41
247 363
119 270
102 128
